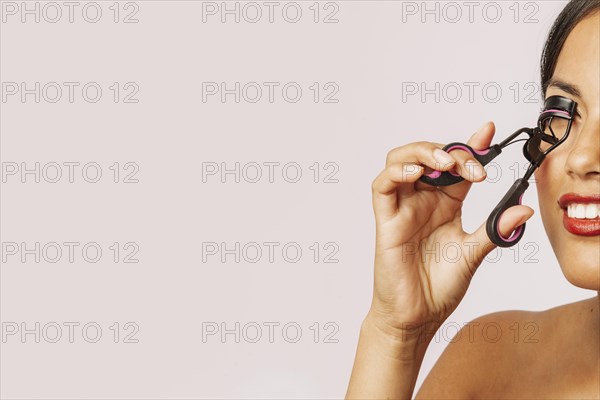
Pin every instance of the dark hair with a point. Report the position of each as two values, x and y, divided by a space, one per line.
570 16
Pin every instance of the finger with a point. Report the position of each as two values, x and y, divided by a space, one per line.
386 186
466 165
428 154
481 243
483 137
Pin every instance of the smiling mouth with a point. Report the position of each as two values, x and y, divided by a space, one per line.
581 214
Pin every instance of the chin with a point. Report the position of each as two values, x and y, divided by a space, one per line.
585 275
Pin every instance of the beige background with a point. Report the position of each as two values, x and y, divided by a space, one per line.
170 212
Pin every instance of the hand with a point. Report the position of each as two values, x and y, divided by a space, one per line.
416 284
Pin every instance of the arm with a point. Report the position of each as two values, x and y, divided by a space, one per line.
386 366
414 291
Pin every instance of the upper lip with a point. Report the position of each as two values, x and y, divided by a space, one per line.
570 198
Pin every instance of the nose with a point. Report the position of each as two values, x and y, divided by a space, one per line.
583 160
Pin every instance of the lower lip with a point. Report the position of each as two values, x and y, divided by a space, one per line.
581 227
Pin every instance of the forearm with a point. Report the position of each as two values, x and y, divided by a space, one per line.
386 366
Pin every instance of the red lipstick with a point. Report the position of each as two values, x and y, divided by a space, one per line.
579 226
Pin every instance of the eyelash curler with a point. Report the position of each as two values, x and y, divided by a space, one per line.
558 114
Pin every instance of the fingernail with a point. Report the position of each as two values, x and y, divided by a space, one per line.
475 170
442 157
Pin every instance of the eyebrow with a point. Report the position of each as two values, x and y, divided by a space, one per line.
565 87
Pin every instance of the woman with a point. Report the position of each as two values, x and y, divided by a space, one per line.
414 294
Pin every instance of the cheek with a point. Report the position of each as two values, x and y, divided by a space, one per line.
550 176
548 180
544 185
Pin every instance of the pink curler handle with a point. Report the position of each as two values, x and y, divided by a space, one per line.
439 178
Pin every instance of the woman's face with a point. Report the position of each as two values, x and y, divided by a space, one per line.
574 166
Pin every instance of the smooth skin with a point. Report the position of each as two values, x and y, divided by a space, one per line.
548 354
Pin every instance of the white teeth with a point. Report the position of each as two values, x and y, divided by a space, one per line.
583 211
580 211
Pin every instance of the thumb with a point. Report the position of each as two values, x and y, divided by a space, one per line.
483 137
481 243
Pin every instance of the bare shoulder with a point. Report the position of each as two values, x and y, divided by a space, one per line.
504 353
471 362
